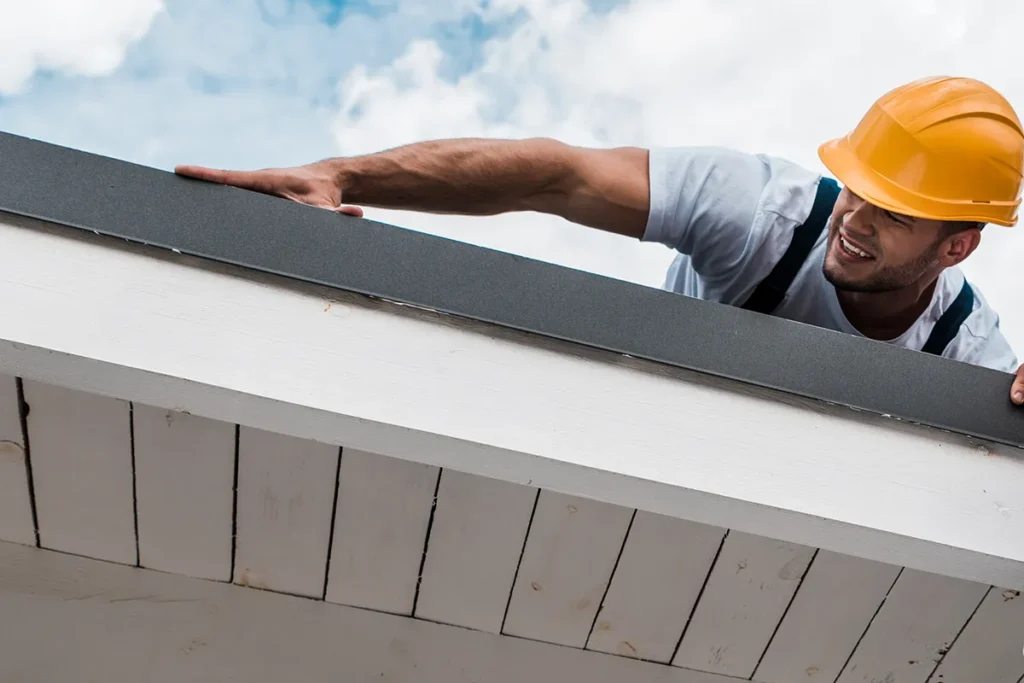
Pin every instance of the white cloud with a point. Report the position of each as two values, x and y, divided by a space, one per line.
84 37
773 77
232 82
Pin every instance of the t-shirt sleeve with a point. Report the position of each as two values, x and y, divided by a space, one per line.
704 201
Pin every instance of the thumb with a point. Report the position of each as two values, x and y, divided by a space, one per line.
1017 390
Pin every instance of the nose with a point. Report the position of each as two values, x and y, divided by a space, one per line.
860 217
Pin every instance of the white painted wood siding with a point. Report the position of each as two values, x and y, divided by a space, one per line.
184 481
746 595
831 611
913 629
990 647
380 528
663 566
15 504
474 549
286 492
82 469
566 567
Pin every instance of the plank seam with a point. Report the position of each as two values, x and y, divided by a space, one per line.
334 517
23 409
881 603
700 594
276 591
785 612
234 507
519 564
426 542
135 492
611 577
952 643
724 677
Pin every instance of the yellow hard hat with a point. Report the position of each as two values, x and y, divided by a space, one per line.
942 148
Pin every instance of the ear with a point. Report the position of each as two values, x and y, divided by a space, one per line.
958 246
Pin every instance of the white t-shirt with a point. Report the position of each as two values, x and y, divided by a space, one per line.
731 216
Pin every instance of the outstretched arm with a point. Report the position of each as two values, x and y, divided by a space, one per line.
607 189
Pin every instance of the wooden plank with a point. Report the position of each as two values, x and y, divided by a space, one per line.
663 566
286 489
82 470
567 564
746 595
834 606
475 544
184 484
916 625
380 527
118 624
16 523
989 648
737 457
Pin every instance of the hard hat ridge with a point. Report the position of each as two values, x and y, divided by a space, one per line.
946 148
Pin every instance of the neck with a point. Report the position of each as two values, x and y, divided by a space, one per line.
886 315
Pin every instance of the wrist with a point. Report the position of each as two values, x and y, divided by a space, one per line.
338 170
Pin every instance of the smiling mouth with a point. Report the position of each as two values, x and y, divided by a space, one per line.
853 251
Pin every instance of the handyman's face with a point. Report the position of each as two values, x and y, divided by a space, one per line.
874 250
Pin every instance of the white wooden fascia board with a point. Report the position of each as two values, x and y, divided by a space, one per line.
121 320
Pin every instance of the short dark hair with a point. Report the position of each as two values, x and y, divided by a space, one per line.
953 227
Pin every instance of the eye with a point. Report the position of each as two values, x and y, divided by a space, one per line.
898 219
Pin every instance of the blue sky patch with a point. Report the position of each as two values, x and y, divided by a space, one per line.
213 80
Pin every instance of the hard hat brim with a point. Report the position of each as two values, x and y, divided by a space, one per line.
839 157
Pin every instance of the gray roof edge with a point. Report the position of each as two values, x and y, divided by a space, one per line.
225 224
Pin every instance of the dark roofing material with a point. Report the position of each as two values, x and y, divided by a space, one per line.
155 207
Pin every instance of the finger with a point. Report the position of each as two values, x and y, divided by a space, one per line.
244 179
1017 391
350 210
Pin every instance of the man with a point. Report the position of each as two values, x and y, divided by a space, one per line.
927 167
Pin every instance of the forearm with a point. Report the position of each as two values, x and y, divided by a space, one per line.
469 176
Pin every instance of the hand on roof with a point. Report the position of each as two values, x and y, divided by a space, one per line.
1017 391
314 184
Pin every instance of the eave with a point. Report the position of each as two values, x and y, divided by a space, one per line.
129 282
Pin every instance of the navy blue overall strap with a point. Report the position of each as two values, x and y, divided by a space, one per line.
771 291
949 324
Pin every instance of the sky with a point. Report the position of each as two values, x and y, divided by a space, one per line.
258 83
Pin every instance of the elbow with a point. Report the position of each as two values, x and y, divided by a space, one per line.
548 175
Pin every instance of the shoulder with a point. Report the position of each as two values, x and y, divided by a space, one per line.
723 177
979 340
732 213
723 199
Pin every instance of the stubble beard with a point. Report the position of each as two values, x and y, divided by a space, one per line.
886 279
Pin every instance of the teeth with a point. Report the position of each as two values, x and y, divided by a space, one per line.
849 247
